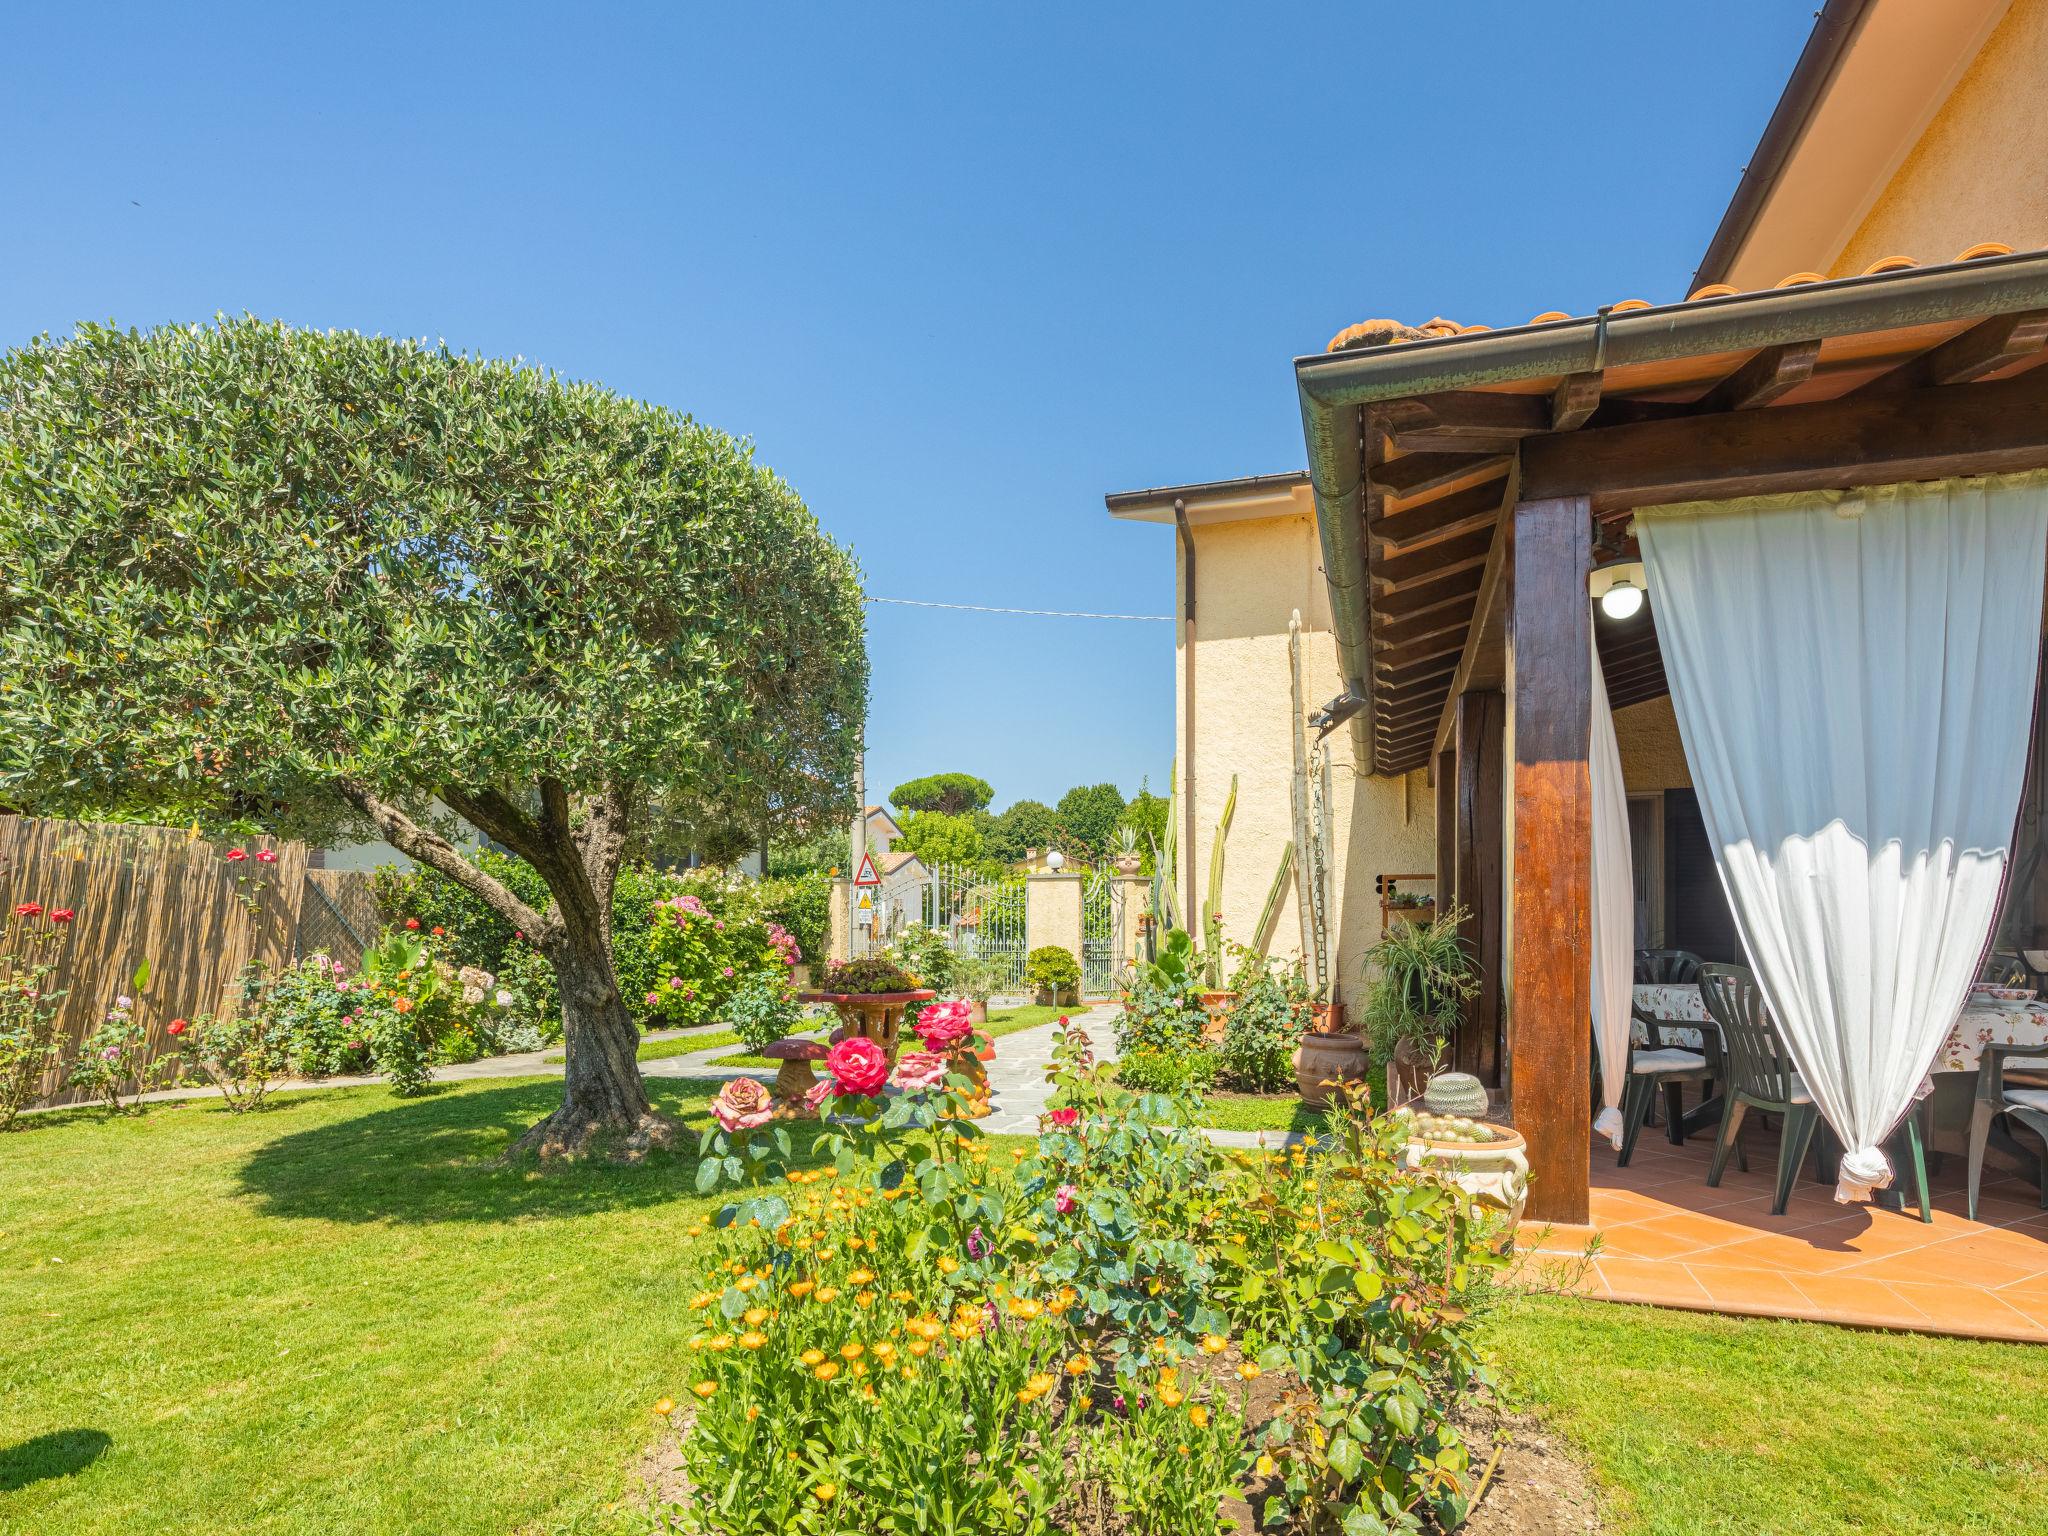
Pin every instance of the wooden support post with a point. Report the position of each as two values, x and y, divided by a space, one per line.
1477 752
1446 831
1549 695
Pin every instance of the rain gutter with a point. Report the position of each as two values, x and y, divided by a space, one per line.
1336 387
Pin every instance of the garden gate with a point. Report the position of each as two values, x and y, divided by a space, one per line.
981 917
1102 927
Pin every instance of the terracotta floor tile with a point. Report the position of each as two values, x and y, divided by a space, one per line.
1753 1290
1933 1266
1650 1280
1862 1303
1966 1310
1668 1237
1795 1255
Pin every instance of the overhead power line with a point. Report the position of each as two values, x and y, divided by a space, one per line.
1036 613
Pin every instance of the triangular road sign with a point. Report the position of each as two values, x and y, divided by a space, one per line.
867 875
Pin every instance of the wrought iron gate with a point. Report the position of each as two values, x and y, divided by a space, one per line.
981 916
1102 927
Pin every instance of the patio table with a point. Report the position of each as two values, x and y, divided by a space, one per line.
1982 1022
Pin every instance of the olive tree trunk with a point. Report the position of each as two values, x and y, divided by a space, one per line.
576 846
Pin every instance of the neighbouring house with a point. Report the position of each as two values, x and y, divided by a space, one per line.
1870 312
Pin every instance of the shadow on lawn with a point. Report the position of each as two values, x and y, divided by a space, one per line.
58 1454
438 1159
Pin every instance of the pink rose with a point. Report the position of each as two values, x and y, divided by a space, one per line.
816 1095
654 997
919 1070
858 1066
675 983
742 1104
728 970
1065 1119
944 1025
1065 1198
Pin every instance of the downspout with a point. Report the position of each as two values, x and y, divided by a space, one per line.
1335 472
1187 750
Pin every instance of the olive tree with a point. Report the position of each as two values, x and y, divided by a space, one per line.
331 584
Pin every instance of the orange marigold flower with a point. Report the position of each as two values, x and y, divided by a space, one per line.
825 1493
802 1288
1214 1344
852 1350
826 1371
1198 1416
755 1316
1249 1370
812 1357
705 1389
663 1407
948 1264
859 1276
753 1340
1080 1365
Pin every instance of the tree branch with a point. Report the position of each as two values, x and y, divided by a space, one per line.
437 853
498 818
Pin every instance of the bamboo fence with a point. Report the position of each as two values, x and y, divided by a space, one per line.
153 894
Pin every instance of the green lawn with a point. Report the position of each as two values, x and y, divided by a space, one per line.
336 1315
1698 1425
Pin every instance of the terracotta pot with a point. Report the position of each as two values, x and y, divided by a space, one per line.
1045 997
1321 1061
977 1013
877 1016
1326 1018
1219 1005
1408 1072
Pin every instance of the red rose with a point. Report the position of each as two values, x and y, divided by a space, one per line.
62 915
413 923
1064 1118
858 1067
439 932
266 856
236 855
176 1027
29 909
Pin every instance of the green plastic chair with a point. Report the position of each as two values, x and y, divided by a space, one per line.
2020 1105
1760 1076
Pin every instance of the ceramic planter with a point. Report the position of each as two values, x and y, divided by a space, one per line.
1327 1018
877 1016
1045 997
1321 1061
1494 1173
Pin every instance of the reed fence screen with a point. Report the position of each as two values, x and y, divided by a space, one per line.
153 894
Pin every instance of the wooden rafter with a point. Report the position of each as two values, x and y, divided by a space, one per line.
1772 372
1449 619
1429 522
1417 474
1448 643
1576 398
1399 572
1984 348
1461 583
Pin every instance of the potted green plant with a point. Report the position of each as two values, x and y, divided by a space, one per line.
1421 978
1054 975
975 979
870 994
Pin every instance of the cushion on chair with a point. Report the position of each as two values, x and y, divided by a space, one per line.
2028 1098
1799 1093
1668 1060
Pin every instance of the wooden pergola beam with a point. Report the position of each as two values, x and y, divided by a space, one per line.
1458 584
1915 434
1450 618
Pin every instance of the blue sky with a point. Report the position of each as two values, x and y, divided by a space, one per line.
957 270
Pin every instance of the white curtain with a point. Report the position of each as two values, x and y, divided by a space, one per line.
1853 675
1614 911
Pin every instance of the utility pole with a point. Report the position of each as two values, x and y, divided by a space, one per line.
857 845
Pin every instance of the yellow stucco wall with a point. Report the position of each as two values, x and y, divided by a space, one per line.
1980 171
1652 756
1250 575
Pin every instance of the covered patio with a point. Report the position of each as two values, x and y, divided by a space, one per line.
1473 487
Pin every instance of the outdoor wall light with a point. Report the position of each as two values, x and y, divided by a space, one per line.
1054 860
1618 588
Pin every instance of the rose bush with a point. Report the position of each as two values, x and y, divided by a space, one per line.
901 1324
